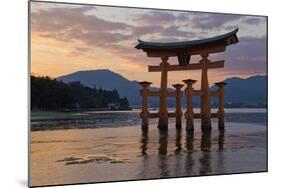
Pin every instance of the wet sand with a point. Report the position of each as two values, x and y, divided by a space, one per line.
70 156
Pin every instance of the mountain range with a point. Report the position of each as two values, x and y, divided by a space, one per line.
238 91
251 91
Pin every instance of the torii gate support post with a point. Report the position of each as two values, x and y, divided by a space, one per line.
144 113
163 111
221 113
189 106
178 105
205 96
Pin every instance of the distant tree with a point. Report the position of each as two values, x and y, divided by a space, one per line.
124 103
50 94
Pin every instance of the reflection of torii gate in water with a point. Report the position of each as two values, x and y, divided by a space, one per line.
183 51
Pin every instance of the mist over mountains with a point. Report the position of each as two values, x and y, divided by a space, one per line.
249 92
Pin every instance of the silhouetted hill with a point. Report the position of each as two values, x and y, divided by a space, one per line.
238 91
108 80
251 91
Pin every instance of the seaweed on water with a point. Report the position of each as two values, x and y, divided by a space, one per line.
90 159
69 159
116 161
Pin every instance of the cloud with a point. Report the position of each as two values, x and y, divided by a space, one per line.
251 58
161 34
247 55
146 29
80 51
254 20
57 19
207 20
156 17
70 24
73 24
175 31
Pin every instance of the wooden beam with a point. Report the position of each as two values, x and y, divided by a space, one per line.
156 115
214 115
198 115
171 94
195 66
214 93
215 64
154 93
158 93
153 115
197 92
173 114
196 50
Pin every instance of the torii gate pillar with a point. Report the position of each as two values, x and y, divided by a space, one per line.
178 105
205 95
163 112
221 86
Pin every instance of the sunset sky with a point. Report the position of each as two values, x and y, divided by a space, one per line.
67 38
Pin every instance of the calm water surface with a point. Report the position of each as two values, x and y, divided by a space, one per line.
93 119
69 148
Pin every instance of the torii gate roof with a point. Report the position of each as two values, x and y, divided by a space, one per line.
193 47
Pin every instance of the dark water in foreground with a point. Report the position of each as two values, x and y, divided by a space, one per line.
92 119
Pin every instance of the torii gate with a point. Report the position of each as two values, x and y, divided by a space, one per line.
183 51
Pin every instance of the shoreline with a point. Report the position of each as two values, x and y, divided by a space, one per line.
134 109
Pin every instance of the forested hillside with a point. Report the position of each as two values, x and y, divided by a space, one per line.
50 94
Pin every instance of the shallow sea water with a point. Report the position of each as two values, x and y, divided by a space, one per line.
75 153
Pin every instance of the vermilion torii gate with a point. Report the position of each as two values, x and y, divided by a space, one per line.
183 51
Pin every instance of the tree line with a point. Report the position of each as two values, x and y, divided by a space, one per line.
50 94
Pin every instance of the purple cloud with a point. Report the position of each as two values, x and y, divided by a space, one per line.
247 55
254 21
156 17
69 24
